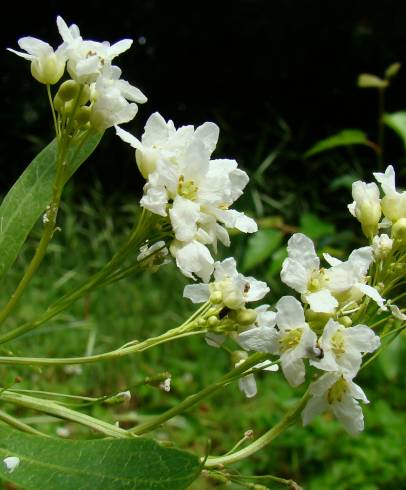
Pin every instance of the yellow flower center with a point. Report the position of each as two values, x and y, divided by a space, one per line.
337 391
338 343
290 339
318 280
188 189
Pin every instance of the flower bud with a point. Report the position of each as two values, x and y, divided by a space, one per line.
381 246
59 104
245 317
399 230
216 297
146 161
366 206
48 69
82 116
213 321
68 90
346 321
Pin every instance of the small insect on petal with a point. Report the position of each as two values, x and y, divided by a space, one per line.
11 463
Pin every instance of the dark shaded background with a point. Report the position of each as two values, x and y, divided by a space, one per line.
260 69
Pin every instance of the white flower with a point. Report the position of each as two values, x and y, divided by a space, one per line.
394 202
247 384
230 287
110 96
47 65
342 348
324 288
397 313
293 340
11 463
337 393
366 206
153 256
87 59
194 192
165 385
381 246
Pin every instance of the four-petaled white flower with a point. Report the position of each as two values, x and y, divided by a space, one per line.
87 59
342 347
337 393
293 340
47 65
230 287
324 288
194 191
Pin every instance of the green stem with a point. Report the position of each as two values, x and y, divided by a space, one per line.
17 424
288 420
206 392
381 126
57 410
53 111
184 330
47 234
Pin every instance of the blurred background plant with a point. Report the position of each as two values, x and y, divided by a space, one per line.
282 81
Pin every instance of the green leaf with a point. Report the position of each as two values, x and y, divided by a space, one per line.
57 464
312 226
392 70
29 196
367 80
397 122
276 263
346 137
260 247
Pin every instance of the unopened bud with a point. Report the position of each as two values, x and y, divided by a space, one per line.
233 300
245 317
68 90
399 230
48 69
59 104
345 320
216 297
82 116
213 321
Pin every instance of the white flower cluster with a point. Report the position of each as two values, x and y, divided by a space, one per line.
192 190
89 63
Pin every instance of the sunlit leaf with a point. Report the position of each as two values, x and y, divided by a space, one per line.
108 464
29 196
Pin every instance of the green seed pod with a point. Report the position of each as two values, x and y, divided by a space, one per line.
82 116
59 104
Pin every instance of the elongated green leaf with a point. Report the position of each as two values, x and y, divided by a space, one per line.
260 247
312 226
346 137
397 122
56 464
29 196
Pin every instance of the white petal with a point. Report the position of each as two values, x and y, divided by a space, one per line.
119 47
155 200
156 130
248 385
257 289
214 340
225 269
349 413
356 391
387 180
361 259
197 293
193 259
267 366
320 387
128 138
327 363
331 260
265 316
260 339
294 275
314 407
322 301
209 134
293 369
289 313
184 215
397 313
362 338
372 293
351 208
301 249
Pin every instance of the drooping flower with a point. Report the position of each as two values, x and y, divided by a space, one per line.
324 288
336 392
110 96
342 347
47 65
229 287
189 188
247 384
293 339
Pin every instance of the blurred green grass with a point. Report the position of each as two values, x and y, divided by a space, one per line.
319 457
